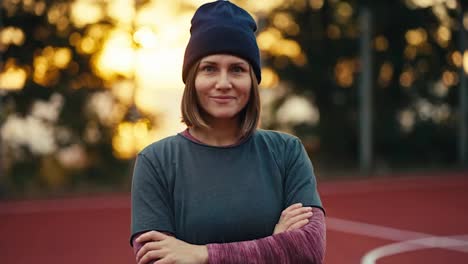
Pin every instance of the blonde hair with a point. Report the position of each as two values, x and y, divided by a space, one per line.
191 110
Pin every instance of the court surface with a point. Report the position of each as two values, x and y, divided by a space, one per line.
405 219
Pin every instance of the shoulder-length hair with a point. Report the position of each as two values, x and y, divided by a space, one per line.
192 112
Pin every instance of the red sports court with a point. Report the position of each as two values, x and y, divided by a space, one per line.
404 219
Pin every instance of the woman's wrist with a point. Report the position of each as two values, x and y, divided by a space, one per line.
202 254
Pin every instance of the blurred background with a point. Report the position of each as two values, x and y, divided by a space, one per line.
376 90
371 87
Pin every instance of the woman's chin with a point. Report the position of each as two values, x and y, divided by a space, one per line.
223 116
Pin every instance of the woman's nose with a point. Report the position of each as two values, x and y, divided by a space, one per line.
223 81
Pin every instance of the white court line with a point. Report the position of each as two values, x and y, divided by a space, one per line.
378 231
370 230
455 243
408 240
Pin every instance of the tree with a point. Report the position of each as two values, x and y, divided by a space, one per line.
58 128
415 67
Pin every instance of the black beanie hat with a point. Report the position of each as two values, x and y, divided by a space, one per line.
222 27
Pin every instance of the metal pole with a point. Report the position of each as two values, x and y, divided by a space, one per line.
1 116
1 145
365 91
463 96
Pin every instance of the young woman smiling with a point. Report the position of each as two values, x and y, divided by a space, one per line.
223 84
224 191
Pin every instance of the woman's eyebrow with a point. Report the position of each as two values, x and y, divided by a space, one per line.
241 63
208 62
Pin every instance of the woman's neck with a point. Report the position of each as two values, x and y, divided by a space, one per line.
218 134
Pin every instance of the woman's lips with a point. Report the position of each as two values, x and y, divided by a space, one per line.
223 99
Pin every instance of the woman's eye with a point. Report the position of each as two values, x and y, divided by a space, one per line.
208 69
238 69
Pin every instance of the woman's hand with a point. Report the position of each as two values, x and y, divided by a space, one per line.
293 217
166 249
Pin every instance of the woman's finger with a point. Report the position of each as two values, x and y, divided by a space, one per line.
295 212
151 236
298 225
151 256
291 221
286 212
292 207
164 261
147 247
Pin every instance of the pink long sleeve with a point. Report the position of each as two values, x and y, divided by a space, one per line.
304 245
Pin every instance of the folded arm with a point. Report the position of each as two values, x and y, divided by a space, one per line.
303 245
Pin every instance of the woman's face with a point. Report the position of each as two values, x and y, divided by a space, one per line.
223 86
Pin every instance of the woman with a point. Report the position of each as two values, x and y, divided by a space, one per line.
224 191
